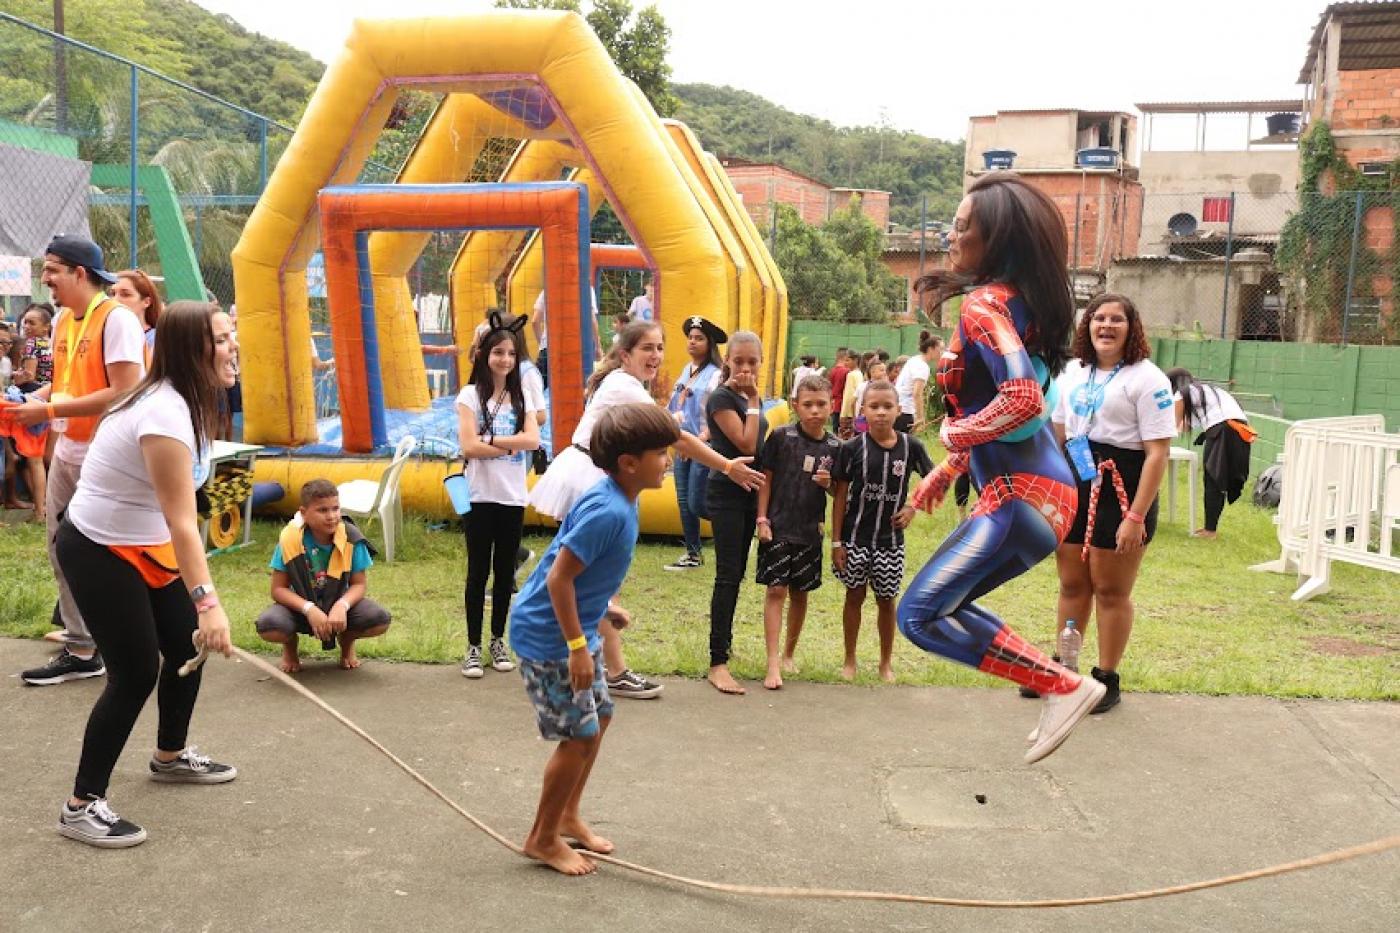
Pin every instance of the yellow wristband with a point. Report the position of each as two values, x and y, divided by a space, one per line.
48 410
577 643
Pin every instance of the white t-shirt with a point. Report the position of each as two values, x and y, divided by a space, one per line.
1212 406
7 371
123 341
497 479
915 368
802 372
115 502
640 309
1129 407
619 387
533 385
541 316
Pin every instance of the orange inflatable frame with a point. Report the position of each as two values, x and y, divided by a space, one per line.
559 210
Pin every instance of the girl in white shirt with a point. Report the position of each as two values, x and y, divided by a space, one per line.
1225 432
1114 405
498 429
622 379
130 548
912 382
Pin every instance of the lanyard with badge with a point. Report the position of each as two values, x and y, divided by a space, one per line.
1078 446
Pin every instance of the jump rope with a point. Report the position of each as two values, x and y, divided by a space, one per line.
1375 847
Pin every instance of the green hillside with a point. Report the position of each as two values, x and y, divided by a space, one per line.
731 122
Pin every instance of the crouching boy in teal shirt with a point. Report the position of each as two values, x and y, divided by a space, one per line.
554 623
318 582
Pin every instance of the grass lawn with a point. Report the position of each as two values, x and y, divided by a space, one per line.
1205 623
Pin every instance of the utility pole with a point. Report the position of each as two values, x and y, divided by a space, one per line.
60 72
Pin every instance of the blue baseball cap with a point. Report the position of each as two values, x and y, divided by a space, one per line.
77 251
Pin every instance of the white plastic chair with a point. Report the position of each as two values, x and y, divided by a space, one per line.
364 498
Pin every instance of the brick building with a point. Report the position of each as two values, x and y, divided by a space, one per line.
762 184
1352 74
1082 160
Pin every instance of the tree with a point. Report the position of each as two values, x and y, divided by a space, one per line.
833 272
638 47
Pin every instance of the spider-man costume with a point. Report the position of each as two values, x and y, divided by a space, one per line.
1026 507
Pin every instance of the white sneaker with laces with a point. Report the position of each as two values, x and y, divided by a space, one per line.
1061 714
500 657
471 666
97 825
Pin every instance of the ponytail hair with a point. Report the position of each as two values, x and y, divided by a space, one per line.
927 341
627 341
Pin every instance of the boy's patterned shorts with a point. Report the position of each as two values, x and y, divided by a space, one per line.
881 568
560 712
787 563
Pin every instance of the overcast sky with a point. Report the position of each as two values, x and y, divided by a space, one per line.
923 65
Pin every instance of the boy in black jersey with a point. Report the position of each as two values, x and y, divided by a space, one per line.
797 459
872 481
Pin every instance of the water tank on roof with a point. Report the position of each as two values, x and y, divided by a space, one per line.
995 159
1097 157
1282 124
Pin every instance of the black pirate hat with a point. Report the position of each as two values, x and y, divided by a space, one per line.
715 333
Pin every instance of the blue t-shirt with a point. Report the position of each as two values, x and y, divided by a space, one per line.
601 531
319 557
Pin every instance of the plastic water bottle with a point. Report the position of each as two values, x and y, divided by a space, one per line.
1070 641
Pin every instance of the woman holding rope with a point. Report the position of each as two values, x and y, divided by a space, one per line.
1115 419
1008 239
130 545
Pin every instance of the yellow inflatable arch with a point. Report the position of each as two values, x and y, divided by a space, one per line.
553 64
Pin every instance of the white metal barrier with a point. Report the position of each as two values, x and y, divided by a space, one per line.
1341 482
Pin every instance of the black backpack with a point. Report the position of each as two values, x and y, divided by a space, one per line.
1268 488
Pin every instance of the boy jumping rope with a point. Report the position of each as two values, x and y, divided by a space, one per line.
869 516
554 623
797 461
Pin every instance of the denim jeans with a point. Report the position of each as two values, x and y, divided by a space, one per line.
692 485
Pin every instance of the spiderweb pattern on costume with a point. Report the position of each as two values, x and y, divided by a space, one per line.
1055 501
987 323
1011 657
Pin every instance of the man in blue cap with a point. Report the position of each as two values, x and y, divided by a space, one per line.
98 354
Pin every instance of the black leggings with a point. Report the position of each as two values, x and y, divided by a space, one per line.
493 536
733 533
135 627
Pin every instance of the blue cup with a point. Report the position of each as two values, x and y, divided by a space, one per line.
459 491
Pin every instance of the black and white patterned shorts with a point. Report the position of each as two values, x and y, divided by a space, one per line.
880 568
787 563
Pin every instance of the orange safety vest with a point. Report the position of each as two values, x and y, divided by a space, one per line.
87 372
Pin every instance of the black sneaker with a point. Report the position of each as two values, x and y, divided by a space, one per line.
687 561
1110 699
192 768
633 686
65 666
500 656
97 825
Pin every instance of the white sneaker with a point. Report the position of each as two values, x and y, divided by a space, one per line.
1061 714
500 657
471 666
97 825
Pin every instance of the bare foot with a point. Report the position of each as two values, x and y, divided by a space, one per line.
886 674
790 666
291 660
848 670
724 682
583 834
560 857
348 660
1202 533
774 680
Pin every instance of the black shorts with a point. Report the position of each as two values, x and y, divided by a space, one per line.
1110 515
790 564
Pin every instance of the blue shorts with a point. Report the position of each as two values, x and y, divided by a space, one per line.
560 712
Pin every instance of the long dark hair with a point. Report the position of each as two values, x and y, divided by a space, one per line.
712 357
485 381
184 357
627 341
1185 384
1024 245
1135 346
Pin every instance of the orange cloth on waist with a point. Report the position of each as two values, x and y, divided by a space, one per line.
155 562
28 444
1246 433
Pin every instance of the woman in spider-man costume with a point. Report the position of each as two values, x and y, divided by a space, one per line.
1011 341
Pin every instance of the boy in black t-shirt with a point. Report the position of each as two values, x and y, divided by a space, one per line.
797 461
869 517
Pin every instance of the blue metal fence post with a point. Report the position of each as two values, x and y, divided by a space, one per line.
1351 267
262 155
135 187
1229 249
